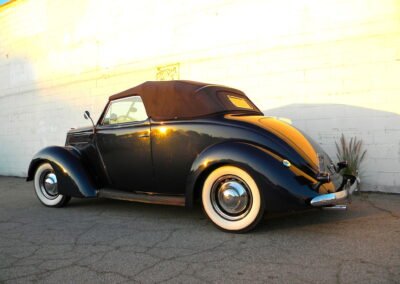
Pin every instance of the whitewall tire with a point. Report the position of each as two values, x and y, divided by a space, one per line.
232 200
46 187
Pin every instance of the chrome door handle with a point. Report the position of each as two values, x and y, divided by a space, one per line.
144 135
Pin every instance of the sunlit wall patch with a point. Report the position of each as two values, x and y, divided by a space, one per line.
286 163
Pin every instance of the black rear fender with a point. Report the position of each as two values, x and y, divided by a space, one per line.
281 186
73 178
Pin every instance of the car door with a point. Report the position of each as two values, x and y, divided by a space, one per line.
123 139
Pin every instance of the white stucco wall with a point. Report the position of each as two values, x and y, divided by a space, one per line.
331 67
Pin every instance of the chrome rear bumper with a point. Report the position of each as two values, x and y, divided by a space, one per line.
331 199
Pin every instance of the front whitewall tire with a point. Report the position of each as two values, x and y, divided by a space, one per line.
48 199
251 215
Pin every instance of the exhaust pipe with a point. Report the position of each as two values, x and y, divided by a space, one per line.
336 207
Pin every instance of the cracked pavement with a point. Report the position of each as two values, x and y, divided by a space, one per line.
99 240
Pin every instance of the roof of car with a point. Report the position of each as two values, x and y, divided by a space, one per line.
183 99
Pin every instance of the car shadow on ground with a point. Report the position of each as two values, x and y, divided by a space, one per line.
359 208
363 207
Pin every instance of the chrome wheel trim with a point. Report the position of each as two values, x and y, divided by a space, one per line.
48 184
42 173
231 197
256 208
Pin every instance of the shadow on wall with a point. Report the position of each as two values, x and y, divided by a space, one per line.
379 130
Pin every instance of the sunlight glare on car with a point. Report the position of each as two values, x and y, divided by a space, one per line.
163 130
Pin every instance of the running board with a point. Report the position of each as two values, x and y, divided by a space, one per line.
142 197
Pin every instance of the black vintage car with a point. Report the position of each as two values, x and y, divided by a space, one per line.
176 142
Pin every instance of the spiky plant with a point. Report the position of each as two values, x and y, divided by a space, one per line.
351 152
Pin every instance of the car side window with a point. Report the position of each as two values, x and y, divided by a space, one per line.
125 110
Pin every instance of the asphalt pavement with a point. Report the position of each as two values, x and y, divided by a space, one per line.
109 241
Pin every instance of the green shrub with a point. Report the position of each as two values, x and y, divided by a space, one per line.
351 152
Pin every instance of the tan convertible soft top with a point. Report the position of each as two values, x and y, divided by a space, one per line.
165 100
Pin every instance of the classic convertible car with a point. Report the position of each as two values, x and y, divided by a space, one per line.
178 142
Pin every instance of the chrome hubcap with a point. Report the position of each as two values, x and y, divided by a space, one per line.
48 185
231 197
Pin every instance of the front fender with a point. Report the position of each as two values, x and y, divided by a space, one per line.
73 178
281 187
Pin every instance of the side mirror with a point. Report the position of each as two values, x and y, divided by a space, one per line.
86 115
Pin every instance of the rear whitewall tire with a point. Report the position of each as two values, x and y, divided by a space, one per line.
239 187
47 197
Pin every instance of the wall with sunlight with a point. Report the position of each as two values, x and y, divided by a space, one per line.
331 67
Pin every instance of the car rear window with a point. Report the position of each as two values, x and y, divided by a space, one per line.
233 101
239 102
